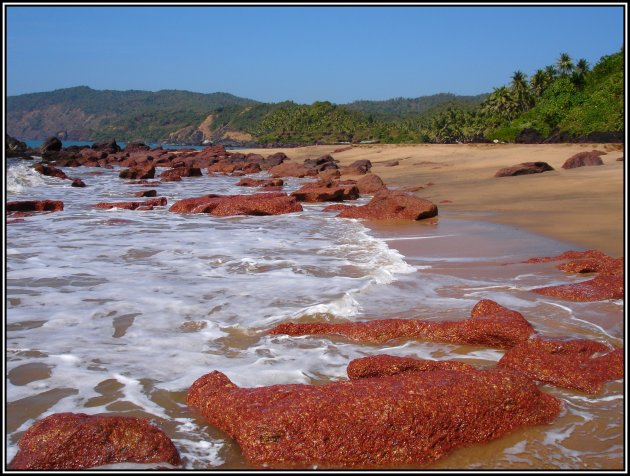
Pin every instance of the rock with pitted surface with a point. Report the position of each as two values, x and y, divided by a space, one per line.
412 418
490 325
384 365
581 364
525 168
34 206
393 205
582 159
71 441
141 172
228 205
609 284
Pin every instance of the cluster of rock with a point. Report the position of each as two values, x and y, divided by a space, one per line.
392 410
581 159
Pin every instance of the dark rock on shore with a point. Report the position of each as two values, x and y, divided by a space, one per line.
71 441
110 146
52 144
582 159
524 168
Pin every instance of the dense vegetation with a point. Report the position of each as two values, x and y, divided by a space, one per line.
566 98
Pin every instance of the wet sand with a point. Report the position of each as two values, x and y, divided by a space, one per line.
582 206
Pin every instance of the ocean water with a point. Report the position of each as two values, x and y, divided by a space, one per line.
119 312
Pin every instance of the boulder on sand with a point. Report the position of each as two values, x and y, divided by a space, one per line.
393 205
228 205
525 168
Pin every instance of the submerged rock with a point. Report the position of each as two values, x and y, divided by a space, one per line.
66 441
140 172
146 205
229 205
49 170
575 364
609 284
413 418
490 325
34 206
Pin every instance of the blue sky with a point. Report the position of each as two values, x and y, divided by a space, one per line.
304 54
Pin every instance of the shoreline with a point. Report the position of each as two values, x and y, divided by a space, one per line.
583 207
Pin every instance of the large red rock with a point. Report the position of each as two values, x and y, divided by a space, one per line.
490 325
597 289
525 168
393 205
609 284
582 159
140 172
71 441
49 170
575 364
179 172
34 206
291 169
358 167
370 184
413 418
228 205
326 192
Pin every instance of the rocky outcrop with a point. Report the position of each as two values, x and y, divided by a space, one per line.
525 168
228 205
15 148
393 205
582 365
71 441
490 325
322 163
582 159
609 284
412 418
136 147
34 206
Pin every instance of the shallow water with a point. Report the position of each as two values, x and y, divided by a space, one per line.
116 311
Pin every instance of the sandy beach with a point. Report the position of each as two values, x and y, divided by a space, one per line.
582 206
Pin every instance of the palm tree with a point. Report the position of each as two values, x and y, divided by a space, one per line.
565 64
580 71
500 103
520 91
